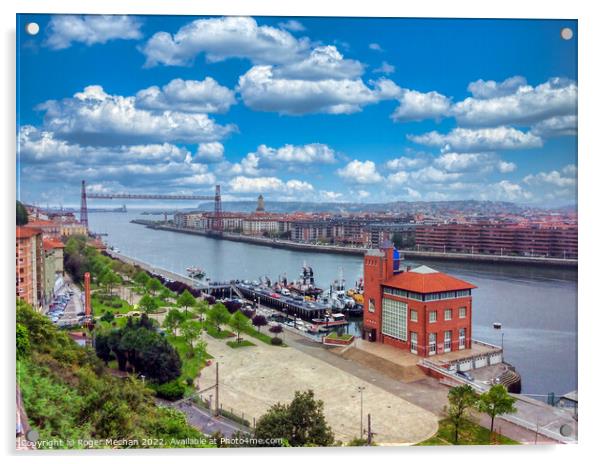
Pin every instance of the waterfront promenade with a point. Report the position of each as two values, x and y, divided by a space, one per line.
359 251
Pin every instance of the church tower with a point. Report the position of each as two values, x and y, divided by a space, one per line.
260 204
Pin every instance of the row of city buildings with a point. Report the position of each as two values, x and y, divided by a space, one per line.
538 234
39 256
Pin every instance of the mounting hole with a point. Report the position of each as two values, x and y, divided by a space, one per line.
566 33
32 28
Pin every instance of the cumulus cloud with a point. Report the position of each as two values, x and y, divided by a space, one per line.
322 63
242 184
261 90
328 195
468 140
385 68
566 177
517 103
360 172
64 30
556 126
292 25
471 162
405 162
155 165
205 96
417 106
93 117
506 190
376 47
222 38
297 154
211 152
492 89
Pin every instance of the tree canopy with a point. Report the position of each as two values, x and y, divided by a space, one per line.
300 423
218 315
496 401
22 217
462 399
239 322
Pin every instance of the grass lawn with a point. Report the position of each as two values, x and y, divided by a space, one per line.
470 434
212 330
100 307
264 337
191 366
235 344
335 336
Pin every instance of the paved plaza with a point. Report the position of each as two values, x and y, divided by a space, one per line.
254 378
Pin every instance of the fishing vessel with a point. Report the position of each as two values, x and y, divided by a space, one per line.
195 273
328 321
306 285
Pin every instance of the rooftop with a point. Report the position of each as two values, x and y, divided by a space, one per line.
27 232
50 244
423 279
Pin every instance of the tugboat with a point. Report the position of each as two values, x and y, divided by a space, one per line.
305 285
195 273
324 324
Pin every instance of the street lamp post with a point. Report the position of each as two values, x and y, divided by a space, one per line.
498 326
361 392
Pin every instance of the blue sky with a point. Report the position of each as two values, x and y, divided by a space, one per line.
318 109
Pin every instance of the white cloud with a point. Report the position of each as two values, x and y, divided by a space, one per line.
556 126
506 191
526 105
322 63
93 117
292 25
241 184
329 196
417 106
64 30
385 68
432 174
222 38
376 47
205 96
398 178
473 162
462 139
211 152
566 177
404 163
493 89
360 172
362 194
297 154
262 91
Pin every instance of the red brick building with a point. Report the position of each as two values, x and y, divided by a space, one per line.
420 310
29 265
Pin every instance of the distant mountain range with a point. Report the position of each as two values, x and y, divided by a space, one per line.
483 207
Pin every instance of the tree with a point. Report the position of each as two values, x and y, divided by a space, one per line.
201 308
191 331
154 285
141 278
148 303
259 321
173 320
462 400
103 347
22 217
239 322
186 300
301 423
23 345
218 315
496 401
276 329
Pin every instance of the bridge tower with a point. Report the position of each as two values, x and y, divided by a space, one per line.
218 222
83 211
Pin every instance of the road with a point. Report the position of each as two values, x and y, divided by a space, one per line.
206 422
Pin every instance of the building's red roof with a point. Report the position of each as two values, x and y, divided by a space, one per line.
40 223
27 232
49 244
426 280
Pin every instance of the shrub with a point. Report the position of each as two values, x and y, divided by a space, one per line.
171 391
276 341
189 381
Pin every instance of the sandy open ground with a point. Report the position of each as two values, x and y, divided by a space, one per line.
254 378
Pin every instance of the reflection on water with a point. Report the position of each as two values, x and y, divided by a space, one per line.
537 306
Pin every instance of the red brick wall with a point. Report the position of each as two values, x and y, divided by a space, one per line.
377 269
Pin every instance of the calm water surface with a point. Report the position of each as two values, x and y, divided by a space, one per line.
536 306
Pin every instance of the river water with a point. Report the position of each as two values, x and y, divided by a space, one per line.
536 306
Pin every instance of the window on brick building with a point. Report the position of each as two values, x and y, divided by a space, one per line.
433 316
432 343
462 312
395 317
414 315
447 336
371 305
462 339
448 314
414 342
